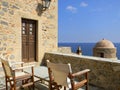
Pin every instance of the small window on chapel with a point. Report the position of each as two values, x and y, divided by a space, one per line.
102 55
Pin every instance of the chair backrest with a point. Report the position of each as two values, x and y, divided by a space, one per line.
60 72
6 67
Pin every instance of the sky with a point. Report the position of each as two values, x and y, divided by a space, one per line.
88 20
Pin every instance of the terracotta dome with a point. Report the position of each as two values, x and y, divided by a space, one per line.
104 44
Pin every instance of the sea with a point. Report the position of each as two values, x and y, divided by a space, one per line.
87 48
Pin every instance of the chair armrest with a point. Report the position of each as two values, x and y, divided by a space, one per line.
14 63
32 63
21 68
81 72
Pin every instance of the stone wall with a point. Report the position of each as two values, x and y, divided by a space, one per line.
104 73
64 49
108 52
11 13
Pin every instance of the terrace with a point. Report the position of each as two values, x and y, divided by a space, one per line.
104 75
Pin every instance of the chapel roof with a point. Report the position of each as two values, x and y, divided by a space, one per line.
104 43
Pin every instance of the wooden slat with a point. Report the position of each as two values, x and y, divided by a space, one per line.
80 84
28 84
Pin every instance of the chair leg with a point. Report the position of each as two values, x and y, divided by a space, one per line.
6 83
64 88
33 87
33 78
14 86
50 86
33 84
87 86
87 82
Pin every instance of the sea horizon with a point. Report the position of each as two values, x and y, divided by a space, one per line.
87 48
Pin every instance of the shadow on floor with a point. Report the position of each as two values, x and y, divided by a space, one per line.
39 86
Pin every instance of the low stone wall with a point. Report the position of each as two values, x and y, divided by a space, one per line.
64 49
104 73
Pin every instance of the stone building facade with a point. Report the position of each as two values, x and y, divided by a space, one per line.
105 49
14 14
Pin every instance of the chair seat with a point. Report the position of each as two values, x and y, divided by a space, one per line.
17 74
40 72
21 76
69 83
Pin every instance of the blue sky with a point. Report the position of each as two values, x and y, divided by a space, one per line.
88 20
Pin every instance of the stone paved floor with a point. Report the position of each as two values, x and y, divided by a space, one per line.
40 86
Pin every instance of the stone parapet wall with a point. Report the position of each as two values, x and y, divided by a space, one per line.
104 73
64 49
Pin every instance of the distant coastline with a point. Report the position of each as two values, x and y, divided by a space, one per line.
87 48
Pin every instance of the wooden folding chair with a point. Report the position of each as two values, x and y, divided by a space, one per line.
16 76
61 75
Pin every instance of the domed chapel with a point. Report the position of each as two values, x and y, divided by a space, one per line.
105 49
